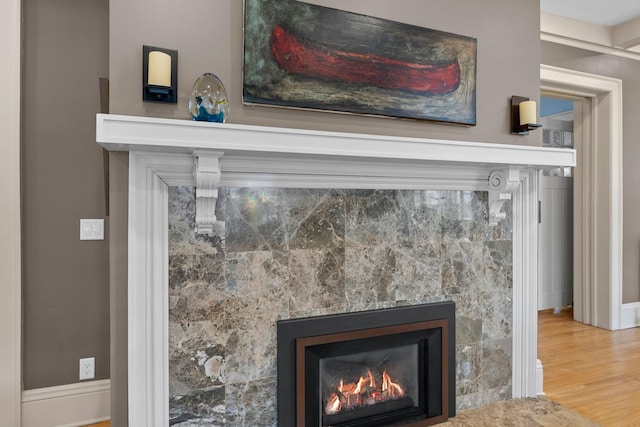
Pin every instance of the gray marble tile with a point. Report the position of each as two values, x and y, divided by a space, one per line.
255 219
257 297
496 364
251 353
198 408
463 266
498 263
197 354
197 287
371 217
206 268
468 330
252 403
497 314
418 272
464 215
317 282
316 219
419 217
283 253
468 368
369 276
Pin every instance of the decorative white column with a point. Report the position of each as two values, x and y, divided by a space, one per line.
525 286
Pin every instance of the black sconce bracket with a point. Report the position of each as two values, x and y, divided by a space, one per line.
155 93
516 127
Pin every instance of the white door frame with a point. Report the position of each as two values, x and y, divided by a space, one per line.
10 265
598 234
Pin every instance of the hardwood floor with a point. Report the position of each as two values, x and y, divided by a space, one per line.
102 424
593 371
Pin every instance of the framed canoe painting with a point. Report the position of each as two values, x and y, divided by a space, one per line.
300 55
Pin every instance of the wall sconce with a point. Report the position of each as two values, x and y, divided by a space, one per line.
523 115
159 74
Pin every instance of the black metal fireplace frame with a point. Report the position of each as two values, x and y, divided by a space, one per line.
295 334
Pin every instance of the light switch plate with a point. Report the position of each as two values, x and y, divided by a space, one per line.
92 229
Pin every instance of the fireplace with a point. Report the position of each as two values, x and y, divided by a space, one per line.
374 368
165 152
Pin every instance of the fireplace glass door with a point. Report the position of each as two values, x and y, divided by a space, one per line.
373 377
370 383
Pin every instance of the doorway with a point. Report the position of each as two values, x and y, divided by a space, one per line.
555 232
597 226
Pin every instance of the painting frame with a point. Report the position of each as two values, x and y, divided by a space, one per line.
304 56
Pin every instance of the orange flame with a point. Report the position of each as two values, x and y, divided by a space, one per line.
390 387
372 381
363 381
363 392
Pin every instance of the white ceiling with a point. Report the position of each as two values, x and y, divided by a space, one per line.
604 12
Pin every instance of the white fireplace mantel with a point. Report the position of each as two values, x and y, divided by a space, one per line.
227 154
168 152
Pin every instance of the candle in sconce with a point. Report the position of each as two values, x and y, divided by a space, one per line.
159 69
528 112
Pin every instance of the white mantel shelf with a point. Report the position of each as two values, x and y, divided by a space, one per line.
129 133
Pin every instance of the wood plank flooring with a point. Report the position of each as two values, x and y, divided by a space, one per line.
593 371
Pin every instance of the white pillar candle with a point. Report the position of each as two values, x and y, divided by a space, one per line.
527 112
159 69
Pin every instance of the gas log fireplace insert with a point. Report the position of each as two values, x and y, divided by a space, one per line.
385 367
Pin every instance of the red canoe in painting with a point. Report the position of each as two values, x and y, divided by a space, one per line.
295 57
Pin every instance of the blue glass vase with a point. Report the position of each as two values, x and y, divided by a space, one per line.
208 101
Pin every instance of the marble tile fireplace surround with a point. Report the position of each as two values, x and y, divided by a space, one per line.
233 228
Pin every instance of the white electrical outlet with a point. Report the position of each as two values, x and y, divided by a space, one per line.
88 368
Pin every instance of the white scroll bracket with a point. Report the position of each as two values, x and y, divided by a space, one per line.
502 184
206 176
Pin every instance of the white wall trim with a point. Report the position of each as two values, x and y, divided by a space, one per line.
10 259
585 35
607 95
525 286
68 405
148 360
540 378
630 315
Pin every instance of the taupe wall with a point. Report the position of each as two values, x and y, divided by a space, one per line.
629 72
65 280
208 37
118 269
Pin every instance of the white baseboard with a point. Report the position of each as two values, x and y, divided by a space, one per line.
630 315
69 405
